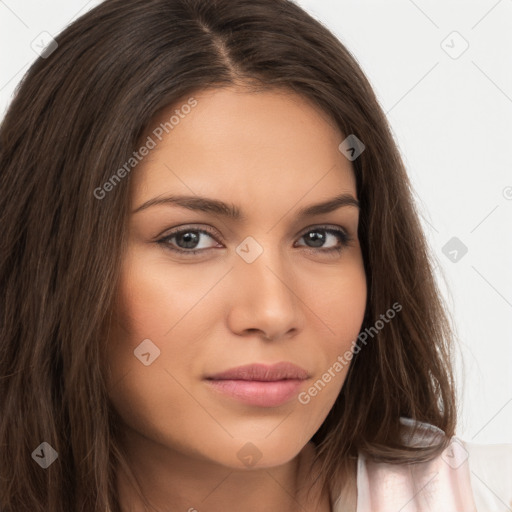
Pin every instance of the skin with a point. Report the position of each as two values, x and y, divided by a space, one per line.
269 153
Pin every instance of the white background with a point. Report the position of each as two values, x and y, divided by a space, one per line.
451 118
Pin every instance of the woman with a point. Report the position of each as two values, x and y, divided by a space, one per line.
217 294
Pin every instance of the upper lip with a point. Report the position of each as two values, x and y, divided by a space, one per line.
263 372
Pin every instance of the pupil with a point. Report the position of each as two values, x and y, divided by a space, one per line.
316 238
191 239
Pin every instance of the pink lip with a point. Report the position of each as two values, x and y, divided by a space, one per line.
253 392
259 384
262 372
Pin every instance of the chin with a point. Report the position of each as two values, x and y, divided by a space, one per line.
244 454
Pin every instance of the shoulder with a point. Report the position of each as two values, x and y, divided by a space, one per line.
490 468
464 477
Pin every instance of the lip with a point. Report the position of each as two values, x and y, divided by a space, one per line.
260 384
263 372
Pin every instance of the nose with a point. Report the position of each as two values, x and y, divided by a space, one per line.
263 298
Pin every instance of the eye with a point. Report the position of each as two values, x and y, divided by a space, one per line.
323 235
187 241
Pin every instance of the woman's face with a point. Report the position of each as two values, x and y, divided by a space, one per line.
268 287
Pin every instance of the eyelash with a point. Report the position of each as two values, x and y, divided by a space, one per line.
342 236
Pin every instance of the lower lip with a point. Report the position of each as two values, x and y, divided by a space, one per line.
253 392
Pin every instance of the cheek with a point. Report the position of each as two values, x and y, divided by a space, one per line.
339 303
149 297
145 375
154 299
342 309
155 337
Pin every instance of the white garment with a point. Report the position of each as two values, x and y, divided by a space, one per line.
466 477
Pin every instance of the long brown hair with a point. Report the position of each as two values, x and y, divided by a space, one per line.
76 117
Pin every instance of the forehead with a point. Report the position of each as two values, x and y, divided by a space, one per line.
272 145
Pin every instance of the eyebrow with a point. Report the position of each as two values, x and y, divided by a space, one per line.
231 211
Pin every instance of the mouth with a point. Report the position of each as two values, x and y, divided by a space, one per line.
259 384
